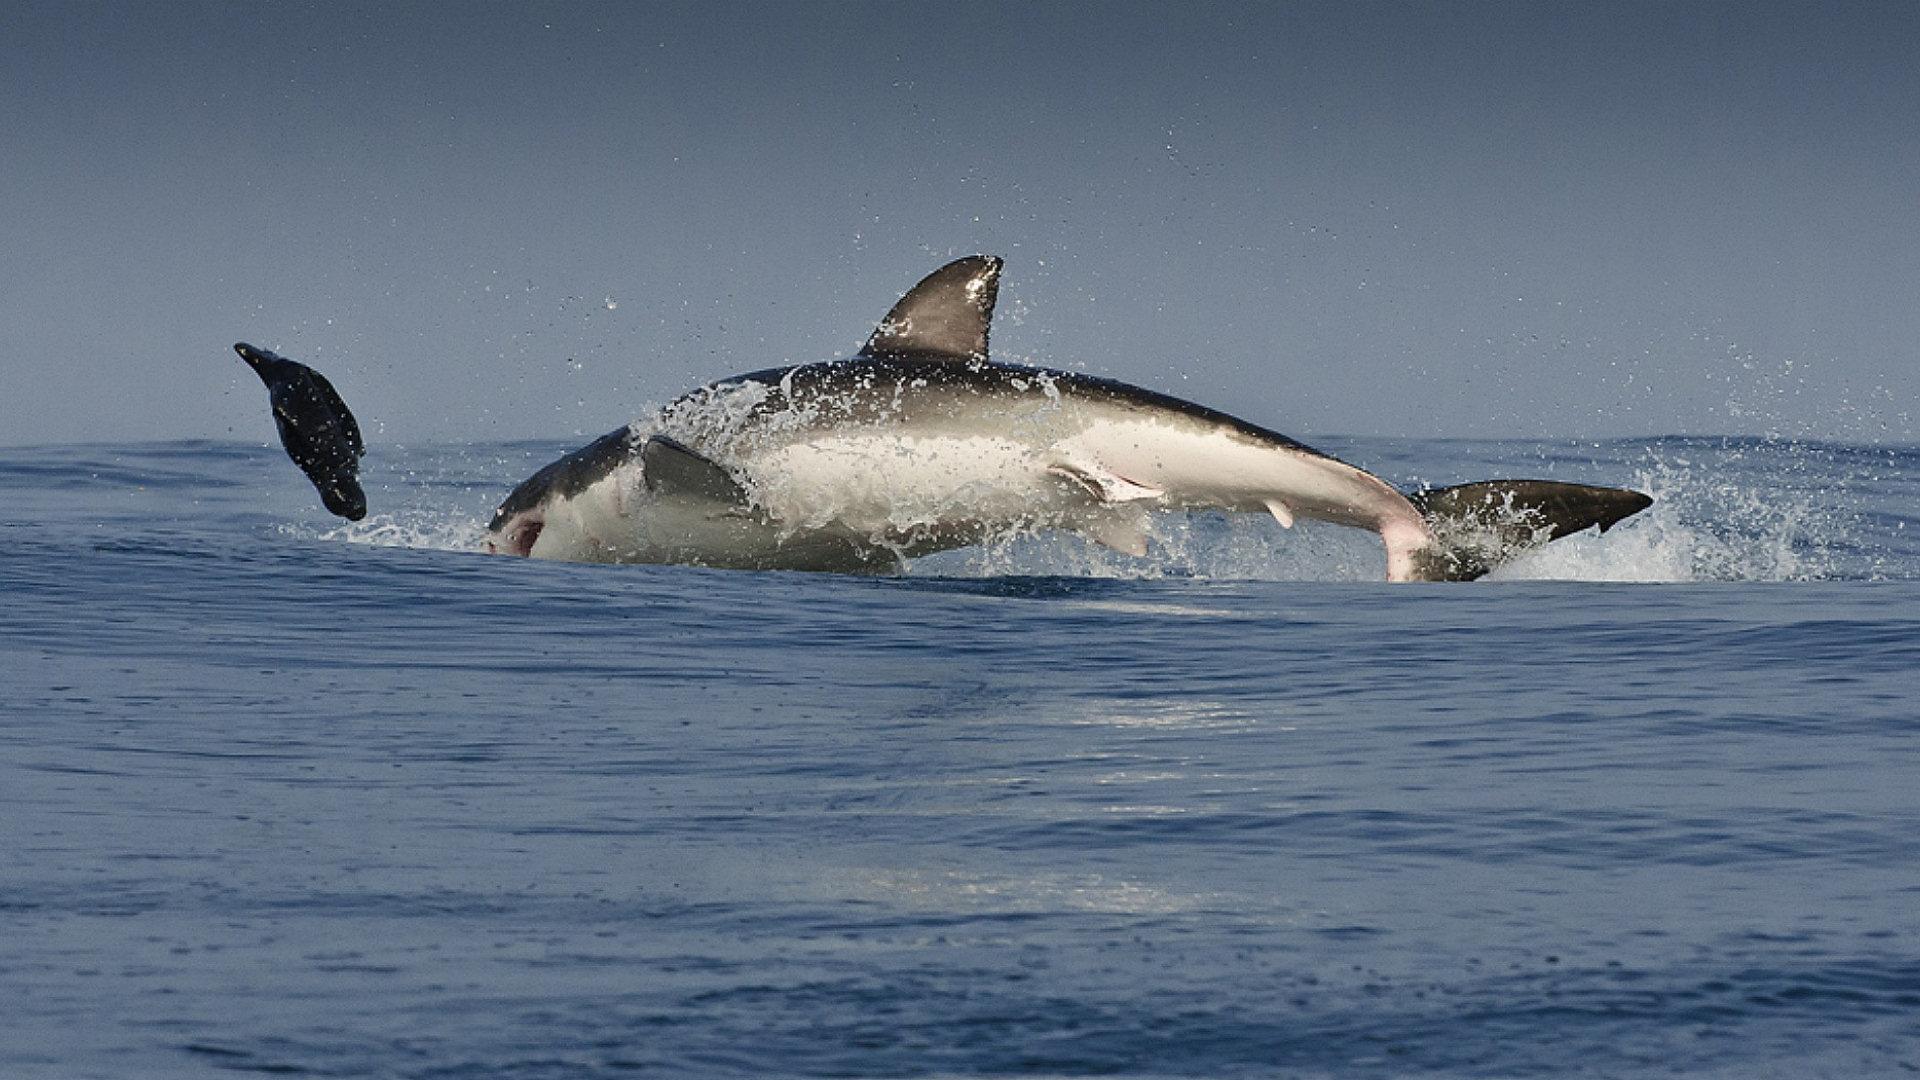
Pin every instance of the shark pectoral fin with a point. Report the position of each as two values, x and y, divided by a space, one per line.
670 469
1106 486
1124 531
1281 513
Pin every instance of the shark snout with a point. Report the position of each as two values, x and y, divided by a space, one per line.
517 536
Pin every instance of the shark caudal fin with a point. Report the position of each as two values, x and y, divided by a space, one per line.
1477 527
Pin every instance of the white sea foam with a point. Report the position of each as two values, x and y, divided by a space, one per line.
422 529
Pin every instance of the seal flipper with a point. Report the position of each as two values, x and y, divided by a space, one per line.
945 317
341 494
1476 527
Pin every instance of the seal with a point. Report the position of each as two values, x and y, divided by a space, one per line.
316 427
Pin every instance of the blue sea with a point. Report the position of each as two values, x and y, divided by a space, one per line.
284 795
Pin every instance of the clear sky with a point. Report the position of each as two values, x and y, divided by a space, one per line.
490 221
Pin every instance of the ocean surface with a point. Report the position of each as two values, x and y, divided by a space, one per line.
284 795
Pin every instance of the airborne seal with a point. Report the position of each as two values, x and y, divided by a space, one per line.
320 434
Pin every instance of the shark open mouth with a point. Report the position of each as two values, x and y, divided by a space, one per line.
517 539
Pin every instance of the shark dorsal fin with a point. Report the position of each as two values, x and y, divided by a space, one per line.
945 317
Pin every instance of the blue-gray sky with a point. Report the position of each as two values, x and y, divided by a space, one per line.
491 221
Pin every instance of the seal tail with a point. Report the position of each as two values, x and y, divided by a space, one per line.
1477 527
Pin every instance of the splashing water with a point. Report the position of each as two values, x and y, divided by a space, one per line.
1724 510
417 529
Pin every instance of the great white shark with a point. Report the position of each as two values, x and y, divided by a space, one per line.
920 443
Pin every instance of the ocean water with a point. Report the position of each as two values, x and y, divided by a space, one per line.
282 795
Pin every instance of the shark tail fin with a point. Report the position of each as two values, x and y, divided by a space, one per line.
1477 527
